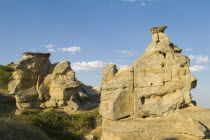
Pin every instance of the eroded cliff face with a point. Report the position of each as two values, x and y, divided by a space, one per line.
39 84
151 99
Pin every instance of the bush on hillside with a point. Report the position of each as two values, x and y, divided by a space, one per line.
5 76
58 125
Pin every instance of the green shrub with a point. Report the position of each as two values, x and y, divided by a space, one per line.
59 125
5 76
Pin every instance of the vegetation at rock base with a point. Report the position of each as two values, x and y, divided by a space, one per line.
39 124
5 76
12 130
59 125
7 105
36 123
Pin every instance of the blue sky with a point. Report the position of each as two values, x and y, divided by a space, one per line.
91 33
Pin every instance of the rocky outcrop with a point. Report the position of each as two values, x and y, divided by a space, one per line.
162 79
146 100
117 92
186 124
158 83
39 84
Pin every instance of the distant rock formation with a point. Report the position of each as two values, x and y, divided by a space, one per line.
139 101
39 84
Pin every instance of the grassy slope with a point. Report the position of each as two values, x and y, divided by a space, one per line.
59 125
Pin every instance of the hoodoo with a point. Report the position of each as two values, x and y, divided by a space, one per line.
152 99
39 84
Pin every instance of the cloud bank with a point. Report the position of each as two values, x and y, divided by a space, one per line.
88 66
91 65
70 49
199 59
198 68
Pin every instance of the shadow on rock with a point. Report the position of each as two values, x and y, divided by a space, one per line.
171 139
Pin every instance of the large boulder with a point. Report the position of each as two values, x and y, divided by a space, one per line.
39 84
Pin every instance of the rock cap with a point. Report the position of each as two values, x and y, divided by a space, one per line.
159 29
37 54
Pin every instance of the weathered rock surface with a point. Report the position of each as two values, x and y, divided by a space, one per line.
117 92
186 124
162 79
151 100
39 84
158 83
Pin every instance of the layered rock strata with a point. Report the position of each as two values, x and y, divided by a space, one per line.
39 84
142 101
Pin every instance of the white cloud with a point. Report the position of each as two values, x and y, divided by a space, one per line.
198 68
188 49
70 49
49 46
131 0
128 53
192 57
202 59
199 59
141 2
51 50
91 65
88 66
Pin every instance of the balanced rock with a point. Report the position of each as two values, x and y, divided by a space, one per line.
39 84
151 100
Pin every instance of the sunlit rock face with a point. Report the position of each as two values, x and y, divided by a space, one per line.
158 83
117 92
162 79
39 84
151 99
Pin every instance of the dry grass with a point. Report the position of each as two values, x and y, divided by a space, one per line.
11 130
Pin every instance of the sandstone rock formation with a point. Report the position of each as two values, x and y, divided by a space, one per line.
39 84
117 92
191 123
162 79
146 100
